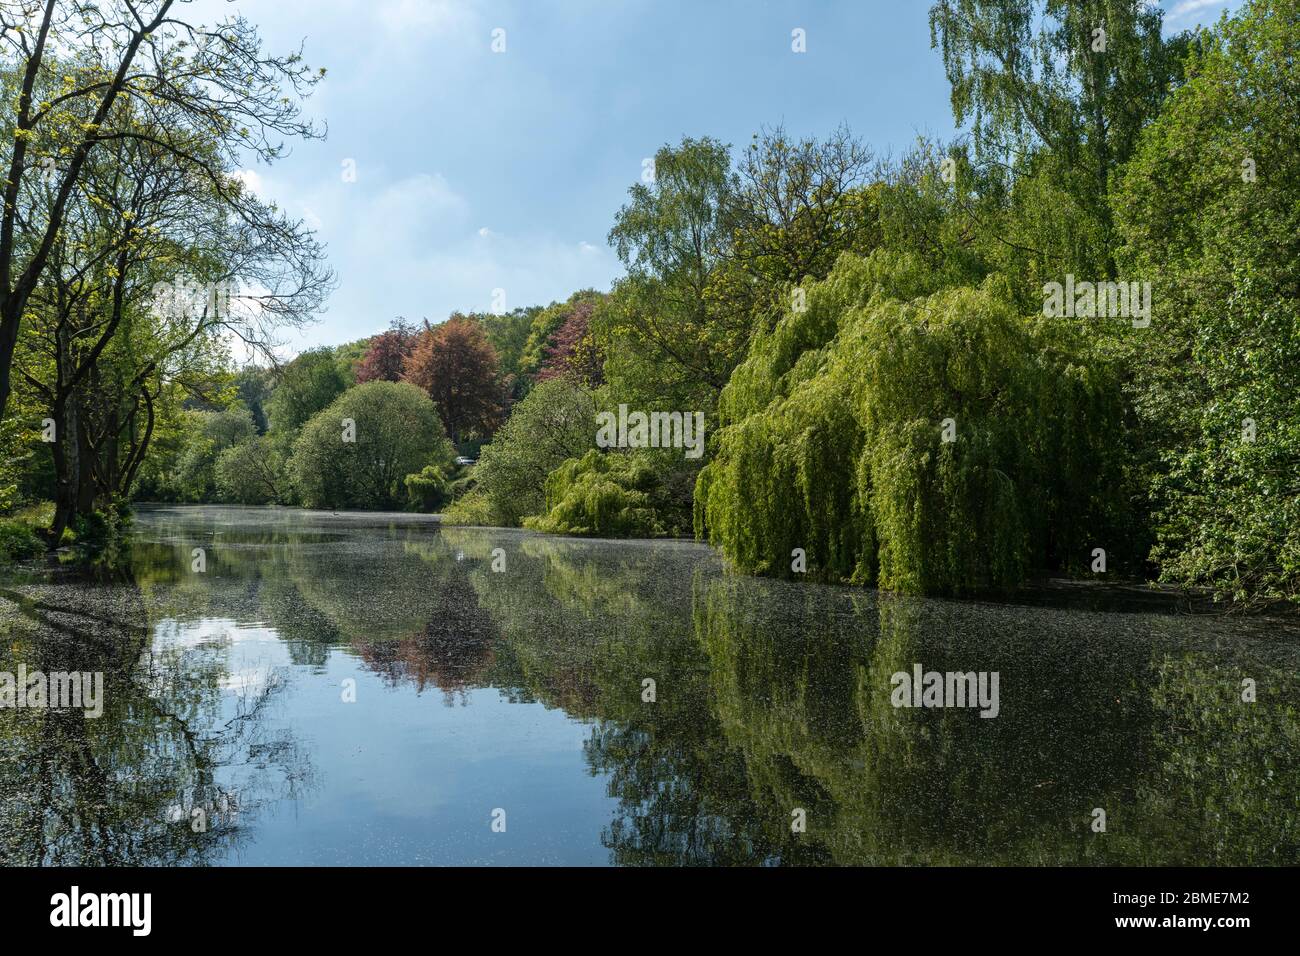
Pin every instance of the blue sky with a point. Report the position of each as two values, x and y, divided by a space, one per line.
478 171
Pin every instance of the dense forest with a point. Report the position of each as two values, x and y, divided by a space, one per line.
1067 342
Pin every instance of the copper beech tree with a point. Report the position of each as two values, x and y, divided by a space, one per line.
457 367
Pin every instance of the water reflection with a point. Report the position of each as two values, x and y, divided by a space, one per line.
527 688
174 771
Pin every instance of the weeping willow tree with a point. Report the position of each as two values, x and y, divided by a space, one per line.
925 439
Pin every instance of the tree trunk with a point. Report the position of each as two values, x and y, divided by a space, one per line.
8 342
65 449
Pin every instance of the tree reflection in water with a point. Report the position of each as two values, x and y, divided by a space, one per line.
773 696
769 697
124 788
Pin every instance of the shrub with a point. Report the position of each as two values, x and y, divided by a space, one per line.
99 538
474 509
427 490
18 540
609 495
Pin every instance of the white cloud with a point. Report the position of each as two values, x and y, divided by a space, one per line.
410 249
414 204
252 181
1187 9
404 17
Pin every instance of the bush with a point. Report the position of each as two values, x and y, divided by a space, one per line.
609 495
99 538
396 432
18 541
457 488
474 509
427 490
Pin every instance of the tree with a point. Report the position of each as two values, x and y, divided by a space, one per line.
1209 210
456 367
795 206
572 348
140 286
664 328
1075 79
306 386
385 359
508 333
253 388
427 489
252 472
210 434
83 76
923 439
546 324
556 421
358 451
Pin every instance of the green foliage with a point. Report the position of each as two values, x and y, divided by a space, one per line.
473 509
427 490
18 540
253 388
833 439
609 495
1210 214
397 432
253 472
797 205
826 312
99 537
347 357
555 422
545 324
1041 88
209 435
16 447
307 385
664 329
508 334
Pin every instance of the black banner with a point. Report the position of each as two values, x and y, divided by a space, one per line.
333 905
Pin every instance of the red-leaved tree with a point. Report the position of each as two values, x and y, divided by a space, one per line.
385 360
457 366
571 349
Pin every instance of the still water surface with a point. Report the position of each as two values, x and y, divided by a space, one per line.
366 689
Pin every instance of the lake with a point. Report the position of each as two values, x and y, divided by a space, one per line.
287 687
